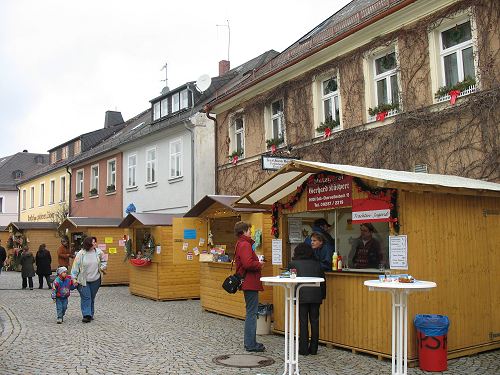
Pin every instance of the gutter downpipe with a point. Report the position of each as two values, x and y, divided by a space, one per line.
18 203
216 179
315 50
191 131
69 190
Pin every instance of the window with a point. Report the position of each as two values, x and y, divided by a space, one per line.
23 200
64 152
111 175
386 79
164 107
42 195
94 179
151 166
184 99
62 197
132 164
237 136
330 101
32 197
53 157
277 120
156 111
175 102
78 147
17 174
79 183
176 158
457 58
52 192
1 205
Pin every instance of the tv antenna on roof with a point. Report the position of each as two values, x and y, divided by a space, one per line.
229 37
165 89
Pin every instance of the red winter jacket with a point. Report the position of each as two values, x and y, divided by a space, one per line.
247 264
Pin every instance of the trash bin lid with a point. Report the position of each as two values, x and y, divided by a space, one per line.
432 324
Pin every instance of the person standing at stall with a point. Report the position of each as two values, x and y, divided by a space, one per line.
321 226
43 261
249 267
64 253
323 251
88 269
310 298
27 269
366 251
3 256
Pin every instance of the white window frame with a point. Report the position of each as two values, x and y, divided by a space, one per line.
79 184
183 99
2 204
279 116
77 149
94 177
52 192
176 102
62 189
111 175
32 196
386 76
318 97
151 164
175 159
333 97
41 195
164 107
133 168
156 111
23 199
233 133
64 152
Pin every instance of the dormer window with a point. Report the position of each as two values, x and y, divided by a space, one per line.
172 103
17 174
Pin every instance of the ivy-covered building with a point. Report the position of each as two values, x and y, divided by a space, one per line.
403 85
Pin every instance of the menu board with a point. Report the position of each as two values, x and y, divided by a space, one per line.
295 229
398 252
277 250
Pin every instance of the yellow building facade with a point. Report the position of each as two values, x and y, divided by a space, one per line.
44 198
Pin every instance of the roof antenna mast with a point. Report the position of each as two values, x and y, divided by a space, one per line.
165 89
229 37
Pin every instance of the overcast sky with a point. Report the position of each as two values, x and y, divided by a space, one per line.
63 63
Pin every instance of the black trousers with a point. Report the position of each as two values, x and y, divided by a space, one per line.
40 281
26 281
308 313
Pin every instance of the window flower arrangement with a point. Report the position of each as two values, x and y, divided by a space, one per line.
235 155
327 126
110 188
274 143
93 191
381 110
455 90
79 195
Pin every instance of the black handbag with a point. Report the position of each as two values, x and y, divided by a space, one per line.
233 283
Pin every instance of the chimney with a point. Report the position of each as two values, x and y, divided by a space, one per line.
112 118
224 67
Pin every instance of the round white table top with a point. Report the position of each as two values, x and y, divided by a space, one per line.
418 284
289 280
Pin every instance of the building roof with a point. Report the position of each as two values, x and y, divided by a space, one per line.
148 219
79 222
3 228
286 180
22 225
224 200
21 161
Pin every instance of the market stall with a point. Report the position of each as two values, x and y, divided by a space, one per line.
110 239
32 234
219 217
163 252
439 228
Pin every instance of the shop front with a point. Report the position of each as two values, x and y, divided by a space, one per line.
217 251
432 227
110 239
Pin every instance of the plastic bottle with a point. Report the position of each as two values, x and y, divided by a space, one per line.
334 261
339 263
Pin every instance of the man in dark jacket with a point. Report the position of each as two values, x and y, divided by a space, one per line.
3 256
248 266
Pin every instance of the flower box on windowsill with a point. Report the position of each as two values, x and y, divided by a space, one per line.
383 111
275 143
110 189
235 156
327 127
93 192
461 89
79 196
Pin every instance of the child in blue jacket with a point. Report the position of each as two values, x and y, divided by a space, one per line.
61 288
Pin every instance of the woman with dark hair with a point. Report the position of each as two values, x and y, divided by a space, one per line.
310 298
248 266
43 261
88 268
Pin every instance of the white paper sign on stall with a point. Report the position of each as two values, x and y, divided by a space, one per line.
277 249
295 230
398 252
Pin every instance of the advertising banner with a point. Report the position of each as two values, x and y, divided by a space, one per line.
329 192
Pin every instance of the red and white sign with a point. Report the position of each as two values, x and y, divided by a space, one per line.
371 210
329 192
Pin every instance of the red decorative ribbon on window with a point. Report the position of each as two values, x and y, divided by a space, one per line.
235 159
381 116
140 262
453 96
328 132
273 149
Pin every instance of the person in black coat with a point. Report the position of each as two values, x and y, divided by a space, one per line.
310 298
3 256
43 259
27 270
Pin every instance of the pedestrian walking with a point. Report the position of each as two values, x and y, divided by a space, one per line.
249 267
64 253
43 261
61 290
88 268
27 262
3 256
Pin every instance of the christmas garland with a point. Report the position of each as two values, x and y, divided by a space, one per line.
362 187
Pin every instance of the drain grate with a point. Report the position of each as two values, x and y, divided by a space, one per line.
243 360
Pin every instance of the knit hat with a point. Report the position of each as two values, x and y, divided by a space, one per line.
61 270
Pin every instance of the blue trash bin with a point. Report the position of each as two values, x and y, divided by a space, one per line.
432 340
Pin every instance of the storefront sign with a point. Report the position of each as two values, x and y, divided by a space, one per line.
328 192
277 249
371 210
273 163
398 252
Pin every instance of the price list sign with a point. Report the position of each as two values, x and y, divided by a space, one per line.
328 192
398 252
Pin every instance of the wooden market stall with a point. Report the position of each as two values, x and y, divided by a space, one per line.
4 235
173 272
110 238
36 233
451 224
219 217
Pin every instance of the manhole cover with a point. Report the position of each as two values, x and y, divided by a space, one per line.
243 360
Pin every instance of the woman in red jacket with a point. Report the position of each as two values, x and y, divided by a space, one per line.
248 266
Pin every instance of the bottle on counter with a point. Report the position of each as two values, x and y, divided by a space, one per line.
334 261
339 263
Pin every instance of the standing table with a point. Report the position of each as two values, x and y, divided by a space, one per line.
292 315
399 293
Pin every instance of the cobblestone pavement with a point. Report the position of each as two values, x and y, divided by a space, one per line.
133 335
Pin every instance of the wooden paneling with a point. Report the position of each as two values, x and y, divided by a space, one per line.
223 232
49 237
144 281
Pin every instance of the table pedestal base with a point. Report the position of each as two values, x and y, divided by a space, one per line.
399 332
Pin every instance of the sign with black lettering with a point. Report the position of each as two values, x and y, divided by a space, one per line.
329 192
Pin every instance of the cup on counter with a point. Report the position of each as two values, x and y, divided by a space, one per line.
261 258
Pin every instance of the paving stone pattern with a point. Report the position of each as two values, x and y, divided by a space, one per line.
137 336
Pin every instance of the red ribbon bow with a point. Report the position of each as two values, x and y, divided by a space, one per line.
381 116
328 132
235 159
273 149
453 96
